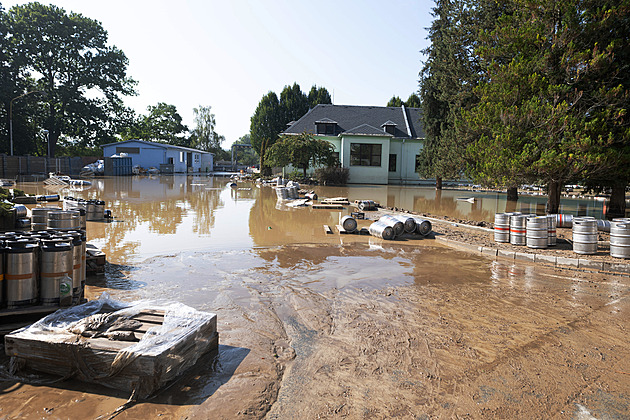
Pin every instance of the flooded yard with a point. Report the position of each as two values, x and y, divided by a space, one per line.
347 326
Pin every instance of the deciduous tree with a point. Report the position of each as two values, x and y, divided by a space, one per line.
301 151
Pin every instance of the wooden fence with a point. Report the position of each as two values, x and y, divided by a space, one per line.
12 167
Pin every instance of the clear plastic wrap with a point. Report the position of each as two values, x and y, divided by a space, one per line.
85 341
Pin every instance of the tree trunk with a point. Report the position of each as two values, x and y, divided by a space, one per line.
512 194
438 182
553 200
617 204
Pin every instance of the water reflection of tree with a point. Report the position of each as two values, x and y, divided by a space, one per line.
161 204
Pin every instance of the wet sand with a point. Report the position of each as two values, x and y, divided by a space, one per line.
329 326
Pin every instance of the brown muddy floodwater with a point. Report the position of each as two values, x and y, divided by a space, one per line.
345 326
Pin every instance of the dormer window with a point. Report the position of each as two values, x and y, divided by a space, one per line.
389 127
326 127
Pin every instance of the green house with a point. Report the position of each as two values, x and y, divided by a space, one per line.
378 145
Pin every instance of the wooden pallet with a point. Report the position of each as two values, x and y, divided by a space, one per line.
92 359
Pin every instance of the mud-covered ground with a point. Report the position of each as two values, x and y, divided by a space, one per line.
370 330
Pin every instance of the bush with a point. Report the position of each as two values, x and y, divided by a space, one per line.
332 176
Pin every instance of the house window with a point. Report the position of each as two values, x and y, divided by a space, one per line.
326 129
128 150
365 154
181 157
196 156
417 162
392 163
170 161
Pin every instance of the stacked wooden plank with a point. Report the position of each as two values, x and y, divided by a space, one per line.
162 346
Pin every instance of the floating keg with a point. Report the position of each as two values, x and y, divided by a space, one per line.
518 229
95 210
584 235
64 220
423 227
366 205
409 224
55 264
51 197
381 230
603 225
502 227
389 220
551 230
537 232
564 220
620 239
20 274
349 223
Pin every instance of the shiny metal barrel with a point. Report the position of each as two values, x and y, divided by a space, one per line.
39 217
55 264
381 230
20 274
20 211
95 210
518 229
282 193
603 225
552 230
584 235
502 227
75 239
423 227
620 239
537 235
366 205
409 224
396 224
349 223
64 220
83 261
564 220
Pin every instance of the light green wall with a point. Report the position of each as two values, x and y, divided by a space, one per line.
406 151
366 174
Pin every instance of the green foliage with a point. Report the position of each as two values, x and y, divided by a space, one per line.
163 124
412 102
247 156
301 151
272 115
553 101
203 135
318 96
395 101
65 55
332 175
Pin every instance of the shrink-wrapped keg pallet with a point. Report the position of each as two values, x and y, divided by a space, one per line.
137 347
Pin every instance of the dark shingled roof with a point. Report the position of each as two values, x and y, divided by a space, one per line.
352 117
367 130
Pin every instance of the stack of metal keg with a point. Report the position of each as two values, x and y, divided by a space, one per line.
390 226
42 267
525 229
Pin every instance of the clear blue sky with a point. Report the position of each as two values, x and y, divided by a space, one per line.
229 53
